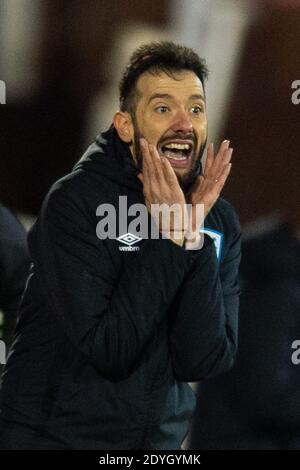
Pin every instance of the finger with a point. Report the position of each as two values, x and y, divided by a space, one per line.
221 160
168 171
225 145
210 156
222 150
147 160
223 177
156 162
153 163
213 163
226 157
140 177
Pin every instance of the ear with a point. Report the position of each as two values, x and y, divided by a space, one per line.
123 124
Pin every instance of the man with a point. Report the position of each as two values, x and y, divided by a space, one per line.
109 337
14 262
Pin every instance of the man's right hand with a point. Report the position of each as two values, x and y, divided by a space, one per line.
161 187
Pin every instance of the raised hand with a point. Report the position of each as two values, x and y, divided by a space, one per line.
208 186
161 187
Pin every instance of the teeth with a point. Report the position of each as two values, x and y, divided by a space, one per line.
178 146
174 157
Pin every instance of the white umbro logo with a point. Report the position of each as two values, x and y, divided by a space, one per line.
217 238
129 239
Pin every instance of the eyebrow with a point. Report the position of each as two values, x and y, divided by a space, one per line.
166 95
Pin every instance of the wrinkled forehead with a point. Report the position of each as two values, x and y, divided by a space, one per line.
180 84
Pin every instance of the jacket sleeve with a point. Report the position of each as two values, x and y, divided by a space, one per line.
203 337
108 313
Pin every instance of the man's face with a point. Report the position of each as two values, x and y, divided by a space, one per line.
171 115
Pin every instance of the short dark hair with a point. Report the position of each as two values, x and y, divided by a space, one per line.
156 57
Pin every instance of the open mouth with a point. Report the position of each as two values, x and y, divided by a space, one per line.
177 152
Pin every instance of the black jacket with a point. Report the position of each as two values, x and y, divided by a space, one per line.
108 338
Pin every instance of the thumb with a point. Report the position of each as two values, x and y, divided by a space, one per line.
140 177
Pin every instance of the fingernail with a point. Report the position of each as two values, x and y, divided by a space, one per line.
142 141
210 147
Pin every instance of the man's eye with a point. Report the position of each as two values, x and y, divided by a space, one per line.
162 109
197 109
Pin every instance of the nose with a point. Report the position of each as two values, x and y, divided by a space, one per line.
182 122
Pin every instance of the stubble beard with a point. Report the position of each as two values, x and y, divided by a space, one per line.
185 180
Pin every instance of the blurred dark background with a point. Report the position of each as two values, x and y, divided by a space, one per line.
56 58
